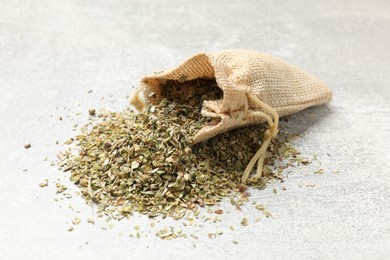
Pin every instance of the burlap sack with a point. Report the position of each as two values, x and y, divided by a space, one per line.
256 87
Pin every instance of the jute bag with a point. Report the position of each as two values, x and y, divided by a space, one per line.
256 87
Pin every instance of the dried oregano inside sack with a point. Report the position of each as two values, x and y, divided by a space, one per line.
146 163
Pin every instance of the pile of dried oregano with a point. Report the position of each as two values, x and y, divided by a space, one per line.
127 162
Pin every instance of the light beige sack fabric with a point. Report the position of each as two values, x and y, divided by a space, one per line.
256 87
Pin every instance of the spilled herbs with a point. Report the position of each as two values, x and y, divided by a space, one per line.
128 162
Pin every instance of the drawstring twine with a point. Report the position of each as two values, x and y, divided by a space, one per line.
270 133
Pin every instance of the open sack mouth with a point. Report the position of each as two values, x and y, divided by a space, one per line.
191 92
201 94
194 93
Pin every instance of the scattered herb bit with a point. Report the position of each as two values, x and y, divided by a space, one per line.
170 233
244 222
92 112
76 221
219 211
264 210
212 235
44 184
320 171
69 141
60 188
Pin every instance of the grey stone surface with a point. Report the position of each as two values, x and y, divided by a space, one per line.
53 52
